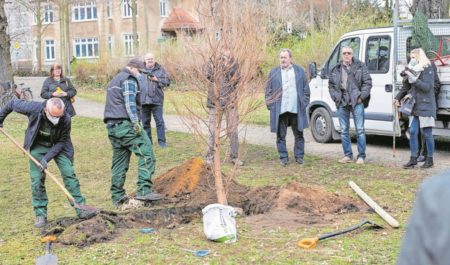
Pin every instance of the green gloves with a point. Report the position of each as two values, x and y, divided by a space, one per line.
137 128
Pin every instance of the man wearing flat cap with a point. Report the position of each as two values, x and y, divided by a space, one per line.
127 136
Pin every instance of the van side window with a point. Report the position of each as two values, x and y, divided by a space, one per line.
336 57
378 54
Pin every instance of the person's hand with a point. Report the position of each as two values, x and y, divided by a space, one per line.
359 101
137 128
154 78
43 165
396 103
63 94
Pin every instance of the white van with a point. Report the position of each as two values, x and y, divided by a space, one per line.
375 47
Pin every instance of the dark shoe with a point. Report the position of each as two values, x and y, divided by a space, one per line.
40 221
421 159
411 163
152 196
284 161
299 161
82 214
428 163
163 145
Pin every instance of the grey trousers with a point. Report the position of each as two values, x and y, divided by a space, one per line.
232 119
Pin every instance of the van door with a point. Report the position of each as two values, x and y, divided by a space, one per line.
378 55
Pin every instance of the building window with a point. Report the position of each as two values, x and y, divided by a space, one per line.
86 48
84 11
48 14
128 44
49 50
109 8
110 44
163 8
127 10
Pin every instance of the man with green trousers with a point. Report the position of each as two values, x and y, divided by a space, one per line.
127 136
47 137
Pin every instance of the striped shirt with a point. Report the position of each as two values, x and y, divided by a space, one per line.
129 90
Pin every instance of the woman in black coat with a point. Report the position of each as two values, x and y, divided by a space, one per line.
56 85
420 86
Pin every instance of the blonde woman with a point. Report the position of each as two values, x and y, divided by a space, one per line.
56 85
419 84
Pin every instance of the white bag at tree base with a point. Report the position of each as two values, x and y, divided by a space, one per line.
219 223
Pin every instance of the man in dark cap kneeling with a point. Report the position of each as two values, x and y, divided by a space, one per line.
127 136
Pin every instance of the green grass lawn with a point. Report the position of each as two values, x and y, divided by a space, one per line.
19 240
177 97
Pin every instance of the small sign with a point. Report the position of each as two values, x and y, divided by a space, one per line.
161 40
16 45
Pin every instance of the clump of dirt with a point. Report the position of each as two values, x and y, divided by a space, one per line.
190 187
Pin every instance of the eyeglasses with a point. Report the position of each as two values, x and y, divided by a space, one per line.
347 53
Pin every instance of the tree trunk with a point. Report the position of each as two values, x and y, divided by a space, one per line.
5 44
311 15
147 30
433 9
220 190
135 33
39 36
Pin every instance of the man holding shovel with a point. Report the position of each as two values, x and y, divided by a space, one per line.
47 137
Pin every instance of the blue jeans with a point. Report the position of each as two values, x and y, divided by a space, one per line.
157 111
414 138
344 122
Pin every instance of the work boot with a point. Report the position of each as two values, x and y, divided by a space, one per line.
299 160
152 196
411 163
82 214
40 221
428 163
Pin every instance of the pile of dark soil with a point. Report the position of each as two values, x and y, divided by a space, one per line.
190 187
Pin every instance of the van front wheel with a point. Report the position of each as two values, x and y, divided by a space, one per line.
321 126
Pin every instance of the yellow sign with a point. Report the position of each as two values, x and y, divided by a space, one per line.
16 45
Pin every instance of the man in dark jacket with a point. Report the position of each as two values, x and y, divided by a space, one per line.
126 136
224 77
153 81
287 95
47 137
349 86
427 236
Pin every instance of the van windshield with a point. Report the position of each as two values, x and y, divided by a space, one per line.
336 56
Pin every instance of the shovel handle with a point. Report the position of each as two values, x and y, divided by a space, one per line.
308 243
46 239
69 196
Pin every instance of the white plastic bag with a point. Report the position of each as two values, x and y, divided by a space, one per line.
219 223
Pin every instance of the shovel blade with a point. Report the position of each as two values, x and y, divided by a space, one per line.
47 259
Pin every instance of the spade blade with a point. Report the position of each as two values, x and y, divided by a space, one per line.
47 259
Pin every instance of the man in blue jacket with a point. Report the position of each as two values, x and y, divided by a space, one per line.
47 137
287 95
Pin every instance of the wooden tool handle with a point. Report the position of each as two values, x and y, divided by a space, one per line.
386 217
69 196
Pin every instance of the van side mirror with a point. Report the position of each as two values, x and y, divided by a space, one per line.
312 70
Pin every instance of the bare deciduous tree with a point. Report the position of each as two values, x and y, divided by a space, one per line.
238 30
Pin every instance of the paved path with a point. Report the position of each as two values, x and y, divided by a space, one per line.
379 149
